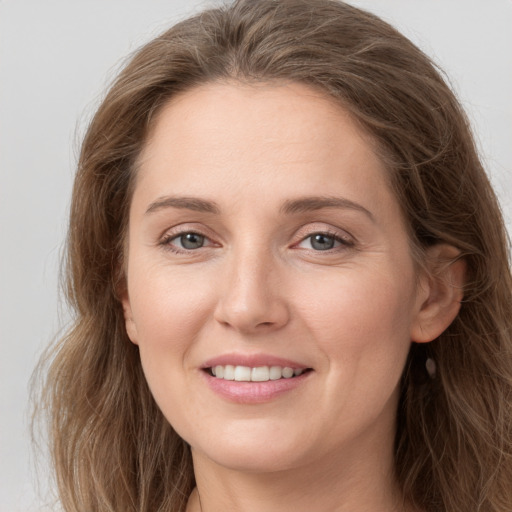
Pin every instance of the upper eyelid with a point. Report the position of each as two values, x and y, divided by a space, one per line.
344 243
168 237
300 234
166 242
180 229
322 228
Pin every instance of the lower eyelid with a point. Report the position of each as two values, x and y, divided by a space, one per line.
342 240
166 239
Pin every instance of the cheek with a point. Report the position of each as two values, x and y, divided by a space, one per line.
169 311
361 299
362 327
361 319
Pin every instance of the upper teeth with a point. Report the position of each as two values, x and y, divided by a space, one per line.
257 374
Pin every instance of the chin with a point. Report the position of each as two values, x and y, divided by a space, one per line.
251 450
249 460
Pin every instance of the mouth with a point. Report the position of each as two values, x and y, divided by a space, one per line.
254 374
254 378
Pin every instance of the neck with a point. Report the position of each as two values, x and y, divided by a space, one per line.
356 484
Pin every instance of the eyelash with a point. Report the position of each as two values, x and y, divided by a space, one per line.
344 242
167 240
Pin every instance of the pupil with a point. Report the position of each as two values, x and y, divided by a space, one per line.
192 241
322 242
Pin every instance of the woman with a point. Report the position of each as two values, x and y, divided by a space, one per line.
290 277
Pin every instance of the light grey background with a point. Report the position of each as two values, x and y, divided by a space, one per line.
56 57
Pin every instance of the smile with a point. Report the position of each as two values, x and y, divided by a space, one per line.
254 374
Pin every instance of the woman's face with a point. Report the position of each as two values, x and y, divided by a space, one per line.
264 239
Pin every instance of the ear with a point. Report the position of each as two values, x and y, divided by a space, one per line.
121 290
131 328
442 290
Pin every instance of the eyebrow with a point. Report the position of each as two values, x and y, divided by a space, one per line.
308 204
186 203
290 207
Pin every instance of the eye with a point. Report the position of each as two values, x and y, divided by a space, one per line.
187 241
322 242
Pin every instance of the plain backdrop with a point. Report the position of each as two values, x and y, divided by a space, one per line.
56 58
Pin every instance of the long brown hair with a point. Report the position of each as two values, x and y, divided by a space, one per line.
113 450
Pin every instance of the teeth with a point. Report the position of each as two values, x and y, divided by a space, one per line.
229 372
242 373
287 372
275 373
260 374
256 374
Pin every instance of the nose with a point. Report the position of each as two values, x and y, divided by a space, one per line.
252 296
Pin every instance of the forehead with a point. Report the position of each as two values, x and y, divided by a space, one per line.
287 135
270 110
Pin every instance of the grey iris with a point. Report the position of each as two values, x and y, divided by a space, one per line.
192 241
322 242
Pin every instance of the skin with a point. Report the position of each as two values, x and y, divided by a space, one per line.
259 285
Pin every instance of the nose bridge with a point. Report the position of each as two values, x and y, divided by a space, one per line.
251 298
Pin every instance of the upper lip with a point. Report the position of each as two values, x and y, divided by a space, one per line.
252 361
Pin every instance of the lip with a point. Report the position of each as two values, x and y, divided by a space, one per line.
253 392
252 360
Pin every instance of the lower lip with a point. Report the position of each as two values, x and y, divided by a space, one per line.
253 392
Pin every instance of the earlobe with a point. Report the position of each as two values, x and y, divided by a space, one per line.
131 328
123 297
443 287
